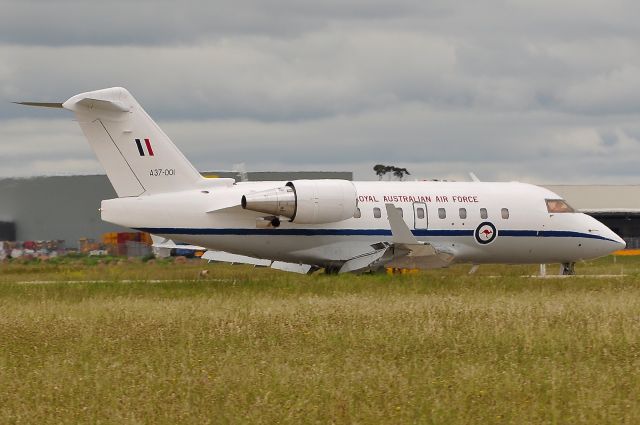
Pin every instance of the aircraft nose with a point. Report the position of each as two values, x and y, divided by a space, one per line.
615 242
621 242
604 240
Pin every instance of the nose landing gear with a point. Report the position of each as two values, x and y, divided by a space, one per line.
568 269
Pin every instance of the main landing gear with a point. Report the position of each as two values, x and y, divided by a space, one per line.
568 269
331 270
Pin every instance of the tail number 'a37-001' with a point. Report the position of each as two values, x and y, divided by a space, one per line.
155 172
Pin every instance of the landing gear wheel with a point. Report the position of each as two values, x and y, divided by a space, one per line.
331 270
568 269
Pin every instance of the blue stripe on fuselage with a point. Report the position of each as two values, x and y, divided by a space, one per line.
362 232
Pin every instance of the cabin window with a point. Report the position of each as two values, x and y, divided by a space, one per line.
358 213
483 213
463 213
505 213
442 213
558 206
400 211
420 213
376 212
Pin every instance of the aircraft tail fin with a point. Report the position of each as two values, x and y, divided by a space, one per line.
137 155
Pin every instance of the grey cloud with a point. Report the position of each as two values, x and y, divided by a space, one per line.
537 90
427 137
316 76
50 139
612 92
322 74
75 22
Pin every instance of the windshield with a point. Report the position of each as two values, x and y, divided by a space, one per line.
559 206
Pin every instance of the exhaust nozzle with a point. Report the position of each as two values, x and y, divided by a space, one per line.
277 202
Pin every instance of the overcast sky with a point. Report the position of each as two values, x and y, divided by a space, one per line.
544 91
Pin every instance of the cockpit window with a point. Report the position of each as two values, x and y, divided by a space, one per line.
558 206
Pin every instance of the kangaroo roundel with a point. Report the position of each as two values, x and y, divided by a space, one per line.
485 233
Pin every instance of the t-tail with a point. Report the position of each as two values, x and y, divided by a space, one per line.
138 157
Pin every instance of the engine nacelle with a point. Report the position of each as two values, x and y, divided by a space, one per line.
306 201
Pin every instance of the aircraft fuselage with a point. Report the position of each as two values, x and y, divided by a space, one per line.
478 222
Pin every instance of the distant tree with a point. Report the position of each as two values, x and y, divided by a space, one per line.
382 170
400 172
388 169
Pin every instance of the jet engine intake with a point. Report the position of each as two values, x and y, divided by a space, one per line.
306 201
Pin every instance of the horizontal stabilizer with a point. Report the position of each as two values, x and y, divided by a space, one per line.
106 105
41 104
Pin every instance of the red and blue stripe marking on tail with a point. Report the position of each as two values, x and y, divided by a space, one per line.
147 144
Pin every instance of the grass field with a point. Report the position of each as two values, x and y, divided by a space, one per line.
136 343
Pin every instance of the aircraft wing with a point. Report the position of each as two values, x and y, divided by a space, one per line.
404 251
227 257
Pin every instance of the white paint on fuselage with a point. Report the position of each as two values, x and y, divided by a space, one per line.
529 235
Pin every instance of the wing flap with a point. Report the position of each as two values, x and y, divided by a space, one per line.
226 257
364 262
422 262
292 267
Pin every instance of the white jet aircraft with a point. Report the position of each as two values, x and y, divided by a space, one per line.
338 225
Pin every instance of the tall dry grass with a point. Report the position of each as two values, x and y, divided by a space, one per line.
258 346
